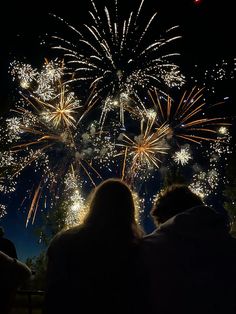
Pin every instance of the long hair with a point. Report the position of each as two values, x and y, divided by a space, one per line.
112 209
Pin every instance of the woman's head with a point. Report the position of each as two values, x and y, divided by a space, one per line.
112 205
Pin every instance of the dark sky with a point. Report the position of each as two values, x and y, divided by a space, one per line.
207 29
208 35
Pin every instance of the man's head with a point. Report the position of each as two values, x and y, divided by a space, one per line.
172 201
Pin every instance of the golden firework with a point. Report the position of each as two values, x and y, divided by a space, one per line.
188 119
144 150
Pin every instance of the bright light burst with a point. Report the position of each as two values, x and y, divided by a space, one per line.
47 93
188 120
143 152
223 130
3 208
182 156
43 133
206 182
63 140
222 70
75 202
117 56
56 144
3 211
62 111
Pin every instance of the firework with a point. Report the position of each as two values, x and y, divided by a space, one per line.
44 134
117 57
188 120
47 93
223 130
75 202
223 70
143 152
182 156
3 211
116 63
102 144
207 182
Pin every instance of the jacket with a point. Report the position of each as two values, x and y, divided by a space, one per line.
88 273
190 263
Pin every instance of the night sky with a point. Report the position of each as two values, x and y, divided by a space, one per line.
208 36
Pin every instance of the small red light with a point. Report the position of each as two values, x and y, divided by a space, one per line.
197 1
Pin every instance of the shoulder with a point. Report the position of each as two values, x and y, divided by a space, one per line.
13 266
156 237
6 241
156 243
23 271
63 240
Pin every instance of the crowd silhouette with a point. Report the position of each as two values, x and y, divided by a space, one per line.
108 264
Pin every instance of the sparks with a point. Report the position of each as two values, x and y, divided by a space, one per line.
182 156
116 57
188 120
144 150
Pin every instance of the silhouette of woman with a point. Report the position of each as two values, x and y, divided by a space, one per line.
92 267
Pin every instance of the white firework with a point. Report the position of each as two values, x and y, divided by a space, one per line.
116 56
25 73
76 210
75 203
223 130
3 210
182 156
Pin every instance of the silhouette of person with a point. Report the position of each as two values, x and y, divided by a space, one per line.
92 267
190 259
7 246
13 273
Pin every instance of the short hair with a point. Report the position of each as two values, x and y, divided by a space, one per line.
173 200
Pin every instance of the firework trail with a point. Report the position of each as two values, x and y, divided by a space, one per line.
188 119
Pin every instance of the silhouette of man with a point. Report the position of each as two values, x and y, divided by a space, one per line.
190 259
7 246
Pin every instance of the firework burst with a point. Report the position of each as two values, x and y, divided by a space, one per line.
75 202
117 57
115 62
188 119
143 152
206 182
44 133
182 156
